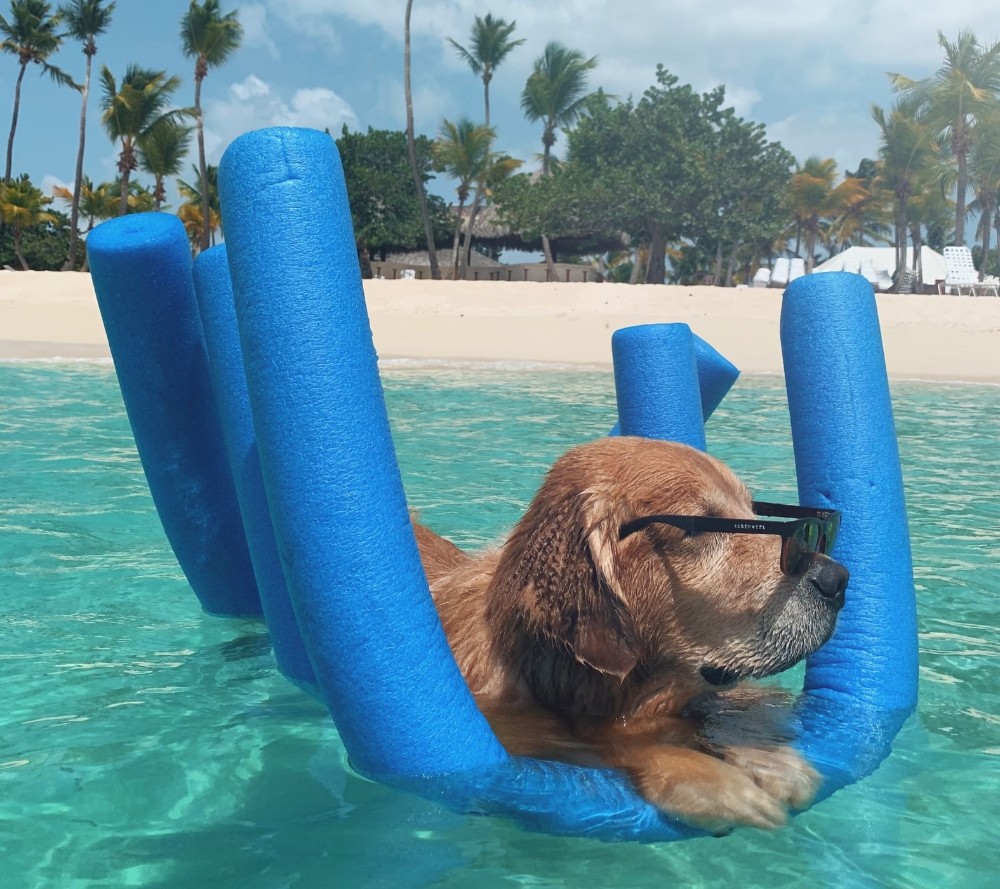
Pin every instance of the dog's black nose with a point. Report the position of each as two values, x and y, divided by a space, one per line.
830 579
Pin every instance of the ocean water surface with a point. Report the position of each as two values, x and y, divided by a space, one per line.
143 743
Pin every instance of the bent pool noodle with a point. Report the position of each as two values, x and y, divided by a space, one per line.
214 290
862 684
141 269
667 382
370 629
333 488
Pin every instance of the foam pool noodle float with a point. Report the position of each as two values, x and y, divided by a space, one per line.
654 367
141 269
342 533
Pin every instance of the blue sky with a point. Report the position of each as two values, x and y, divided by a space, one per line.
809 71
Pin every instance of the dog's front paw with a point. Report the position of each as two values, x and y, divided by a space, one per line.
706 792
779 771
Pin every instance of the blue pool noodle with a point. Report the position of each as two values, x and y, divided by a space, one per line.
861 685
653 381
372 634
214 290
141 270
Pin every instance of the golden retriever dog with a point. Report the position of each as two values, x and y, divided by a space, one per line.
615 623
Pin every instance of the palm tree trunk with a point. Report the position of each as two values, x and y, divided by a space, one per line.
18 252
74 213
961 186
550 264
457 239
731 270
411 150
656 269
13 123
199 120
900 242
987 219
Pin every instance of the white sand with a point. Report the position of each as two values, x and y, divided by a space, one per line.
54 315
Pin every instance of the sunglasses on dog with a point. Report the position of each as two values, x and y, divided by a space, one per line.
812 531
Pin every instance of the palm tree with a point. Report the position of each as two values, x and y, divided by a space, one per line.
208 37
463 150
32 36
984 176
93 203
131 110
907 155
84 20
555 94
23 206
162 151
192 211
954 98
813 198
411 151
490 43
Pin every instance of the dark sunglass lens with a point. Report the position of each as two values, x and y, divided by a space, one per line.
799 548
832 529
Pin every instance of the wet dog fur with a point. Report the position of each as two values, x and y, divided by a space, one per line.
588 648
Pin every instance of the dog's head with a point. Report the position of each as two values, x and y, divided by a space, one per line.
660 608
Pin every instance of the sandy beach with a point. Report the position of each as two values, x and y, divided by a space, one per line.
47 315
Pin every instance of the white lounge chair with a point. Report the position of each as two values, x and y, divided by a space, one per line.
780 272
762 277
961 272
797 269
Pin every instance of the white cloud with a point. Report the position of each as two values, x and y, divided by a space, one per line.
253 103
253 18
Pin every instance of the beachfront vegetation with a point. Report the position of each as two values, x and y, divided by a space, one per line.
22 207
131 111
208 37
84 21
669 186
385 209
491 41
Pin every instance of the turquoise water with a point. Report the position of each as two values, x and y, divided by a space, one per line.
145 744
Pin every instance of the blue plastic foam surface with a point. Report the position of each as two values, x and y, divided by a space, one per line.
141 269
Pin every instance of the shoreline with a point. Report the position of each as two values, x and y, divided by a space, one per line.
53 317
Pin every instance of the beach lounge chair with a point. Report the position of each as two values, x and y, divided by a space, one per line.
797 269
989 285
961 272
780 272
883 280
762 277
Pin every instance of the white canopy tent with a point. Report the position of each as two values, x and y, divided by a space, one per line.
884 258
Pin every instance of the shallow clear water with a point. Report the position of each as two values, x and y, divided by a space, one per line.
145 744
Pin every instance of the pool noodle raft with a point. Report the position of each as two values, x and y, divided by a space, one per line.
308 356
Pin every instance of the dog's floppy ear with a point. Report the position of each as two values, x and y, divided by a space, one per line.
558 570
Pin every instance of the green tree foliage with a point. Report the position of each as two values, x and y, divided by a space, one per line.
130 110
462 150
84 20
909 162
954 99
210 38
814 198
162 151
385 207
22 208
676 166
